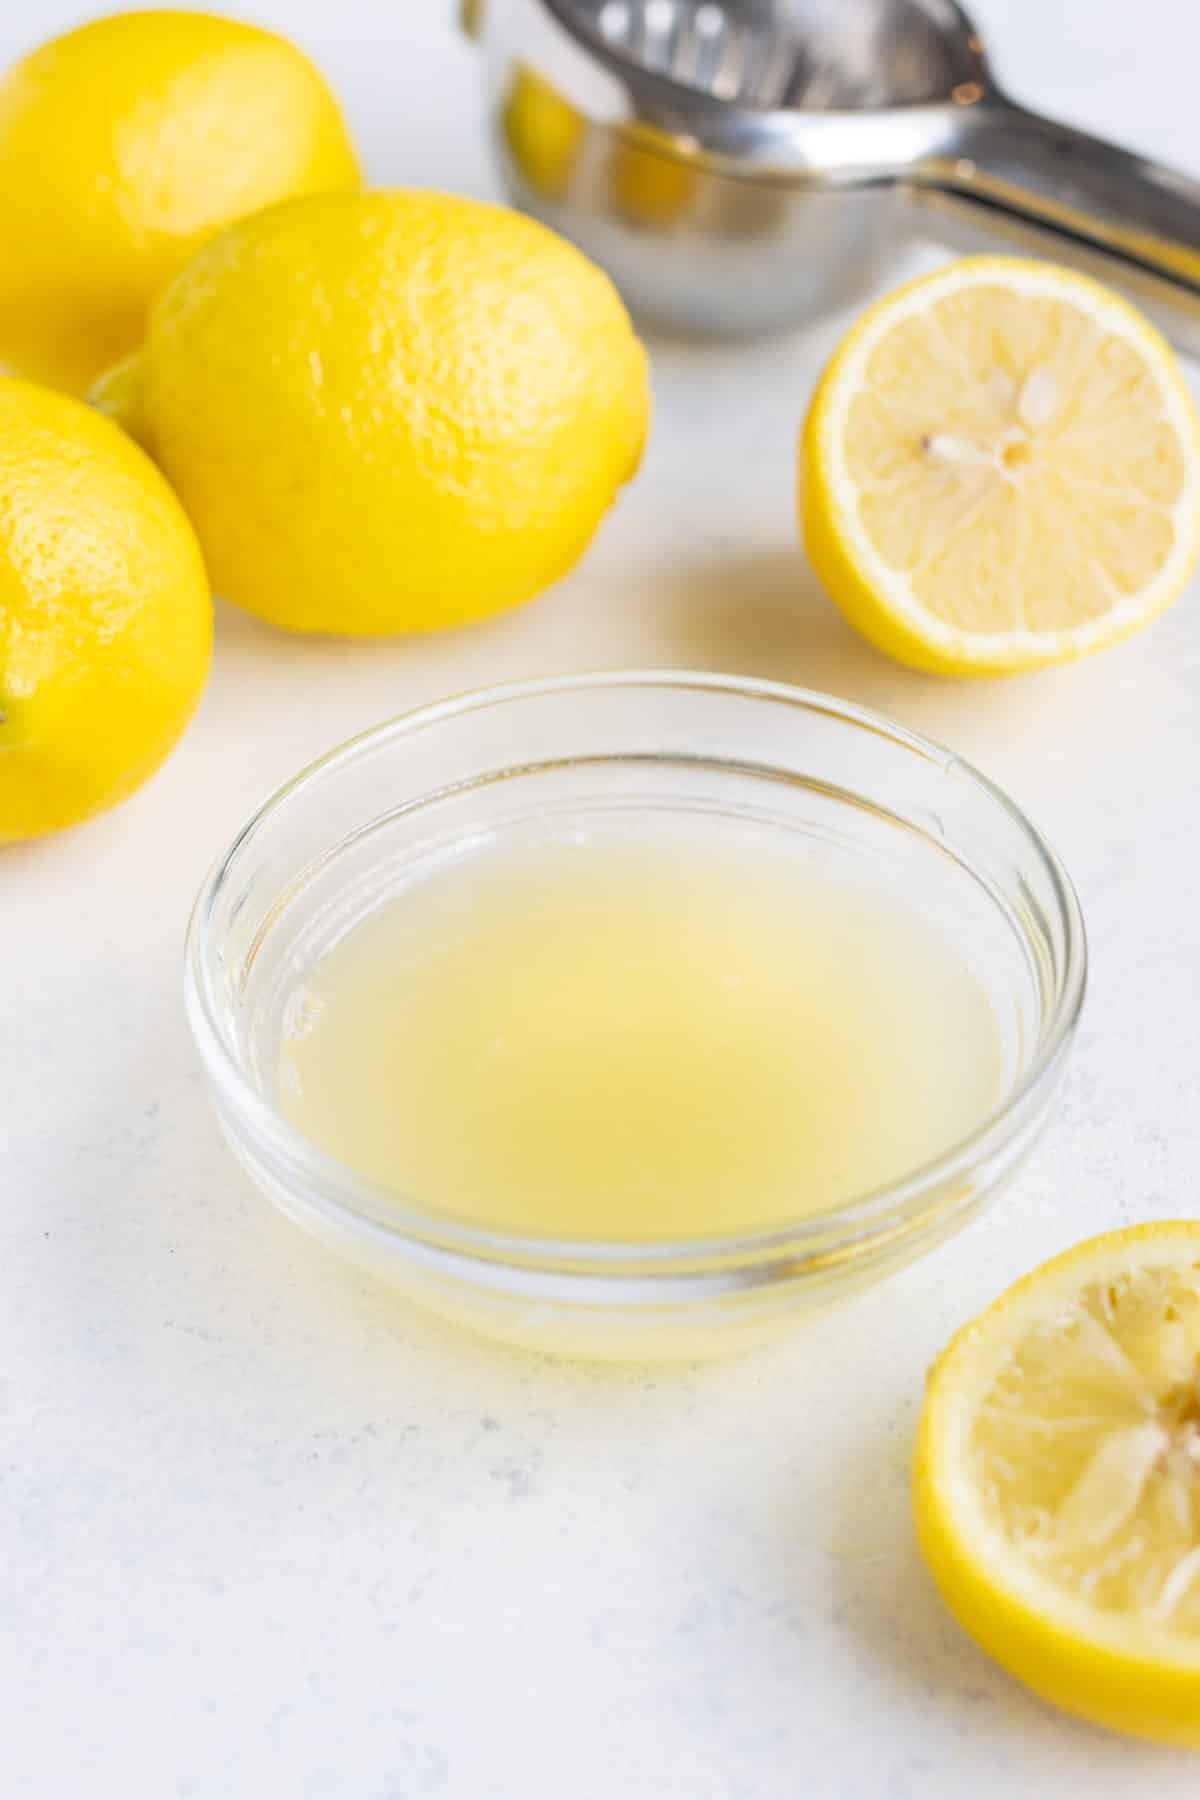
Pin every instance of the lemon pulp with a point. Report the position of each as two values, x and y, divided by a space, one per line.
639 1041
1087 1446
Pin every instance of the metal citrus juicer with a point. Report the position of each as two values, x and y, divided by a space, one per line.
743 165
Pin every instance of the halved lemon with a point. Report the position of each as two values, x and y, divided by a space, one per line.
1057 1480
1001 469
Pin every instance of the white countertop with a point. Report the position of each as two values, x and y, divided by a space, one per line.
267 1534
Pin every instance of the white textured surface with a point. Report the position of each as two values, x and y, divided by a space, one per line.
266 1534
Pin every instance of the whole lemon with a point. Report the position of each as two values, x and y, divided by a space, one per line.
388 412
124 146
105 614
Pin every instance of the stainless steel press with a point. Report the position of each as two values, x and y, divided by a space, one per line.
743 165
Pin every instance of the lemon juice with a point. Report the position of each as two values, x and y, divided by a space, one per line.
639 1040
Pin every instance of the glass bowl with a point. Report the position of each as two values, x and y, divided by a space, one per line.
590 753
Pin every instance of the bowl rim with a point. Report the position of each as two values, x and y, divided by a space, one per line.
360 1205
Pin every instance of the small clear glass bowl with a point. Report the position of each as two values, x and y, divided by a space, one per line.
654 751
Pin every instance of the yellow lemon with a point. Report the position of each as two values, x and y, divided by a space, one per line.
1001 470
105 615
1057 1480
123 147
388 412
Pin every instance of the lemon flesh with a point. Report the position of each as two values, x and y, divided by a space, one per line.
124 145
105 615
389 412
1057 1482
1001 470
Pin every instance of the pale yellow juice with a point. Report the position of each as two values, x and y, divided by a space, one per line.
639 1040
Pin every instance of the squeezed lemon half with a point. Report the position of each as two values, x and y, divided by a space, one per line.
1001 470
1057 1480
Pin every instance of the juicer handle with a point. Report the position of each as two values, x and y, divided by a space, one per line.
1132 221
